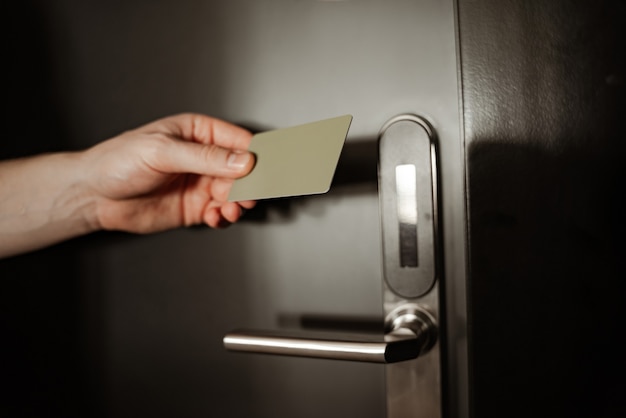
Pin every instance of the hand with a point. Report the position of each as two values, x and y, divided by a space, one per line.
173 172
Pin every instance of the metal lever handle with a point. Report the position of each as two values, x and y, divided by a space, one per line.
412 331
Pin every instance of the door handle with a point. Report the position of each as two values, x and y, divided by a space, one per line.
412 331
408 196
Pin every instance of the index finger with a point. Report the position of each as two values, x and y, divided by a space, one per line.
205 130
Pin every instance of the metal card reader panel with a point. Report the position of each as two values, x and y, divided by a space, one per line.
407 176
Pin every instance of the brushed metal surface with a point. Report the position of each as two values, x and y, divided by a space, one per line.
414 388
409 218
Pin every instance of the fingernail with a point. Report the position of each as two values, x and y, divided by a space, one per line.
237 161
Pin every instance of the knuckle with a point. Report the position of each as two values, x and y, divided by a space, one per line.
214 154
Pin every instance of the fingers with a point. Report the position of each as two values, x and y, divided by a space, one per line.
220 188
211 148
224 213
203 129
221 217
208 130
247 204
207 146
171 156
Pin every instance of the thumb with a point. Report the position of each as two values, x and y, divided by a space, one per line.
208 160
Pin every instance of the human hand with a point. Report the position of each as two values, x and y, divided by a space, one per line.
173 172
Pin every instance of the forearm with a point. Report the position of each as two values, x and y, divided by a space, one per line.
43 200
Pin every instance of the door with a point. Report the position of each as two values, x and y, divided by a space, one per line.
544 102
156 308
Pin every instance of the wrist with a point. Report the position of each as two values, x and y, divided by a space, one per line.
82 198
44 200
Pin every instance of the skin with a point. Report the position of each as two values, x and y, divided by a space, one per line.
173 172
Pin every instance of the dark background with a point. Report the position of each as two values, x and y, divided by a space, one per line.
43 365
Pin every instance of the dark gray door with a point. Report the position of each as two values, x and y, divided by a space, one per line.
544 103
154 309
